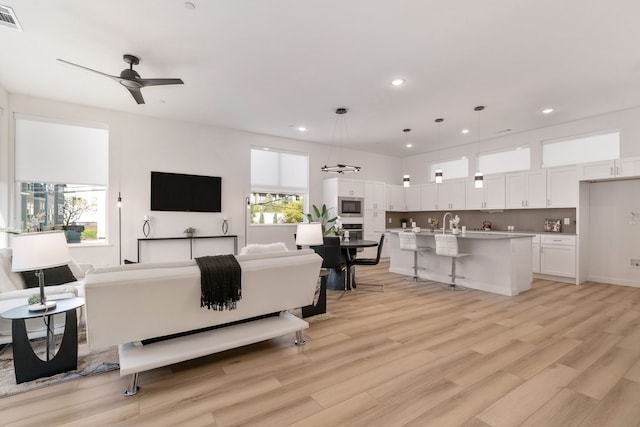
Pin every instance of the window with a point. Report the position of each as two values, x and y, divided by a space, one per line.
451 169
279 186
61 173
585 149
505 161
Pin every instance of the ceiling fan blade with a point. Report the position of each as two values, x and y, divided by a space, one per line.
137 95
159 82
88 69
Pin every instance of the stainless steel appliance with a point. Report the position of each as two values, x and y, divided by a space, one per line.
350 206
355 230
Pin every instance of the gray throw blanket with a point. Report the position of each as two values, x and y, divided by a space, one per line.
220 282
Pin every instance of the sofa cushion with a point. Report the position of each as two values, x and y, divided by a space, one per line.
52 276
256 248
9 281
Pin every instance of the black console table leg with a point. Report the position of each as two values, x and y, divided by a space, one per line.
28 366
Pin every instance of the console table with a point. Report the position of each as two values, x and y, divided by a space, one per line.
190 240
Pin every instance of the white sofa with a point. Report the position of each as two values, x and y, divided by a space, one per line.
14 294
128 304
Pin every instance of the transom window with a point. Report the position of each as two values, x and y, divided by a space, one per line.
517 159
583 149
451 169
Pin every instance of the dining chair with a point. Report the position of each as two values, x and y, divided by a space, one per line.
366 261
447 245
331 254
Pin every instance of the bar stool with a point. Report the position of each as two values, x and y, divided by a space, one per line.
408 242
447 245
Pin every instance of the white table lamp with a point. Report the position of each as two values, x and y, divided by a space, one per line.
309 234
37 251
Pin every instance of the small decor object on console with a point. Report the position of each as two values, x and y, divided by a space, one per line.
190 231
225 226
146 226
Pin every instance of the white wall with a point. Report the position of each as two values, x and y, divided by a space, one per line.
4 165
612 240
139 144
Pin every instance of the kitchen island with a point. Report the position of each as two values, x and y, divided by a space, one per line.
499 262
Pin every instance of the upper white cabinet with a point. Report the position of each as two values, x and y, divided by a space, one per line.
413 198
619 168
350 187
490 196
374 195
429 196
451 195
394 198
562 187
526 190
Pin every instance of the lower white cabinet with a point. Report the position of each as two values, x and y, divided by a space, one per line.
535 254
558 255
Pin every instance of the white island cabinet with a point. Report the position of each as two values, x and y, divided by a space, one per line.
500 263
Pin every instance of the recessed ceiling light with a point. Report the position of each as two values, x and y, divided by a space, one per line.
398 82
302 128
465 131
547 111
409 145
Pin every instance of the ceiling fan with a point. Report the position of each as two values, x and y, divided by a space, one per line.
130 79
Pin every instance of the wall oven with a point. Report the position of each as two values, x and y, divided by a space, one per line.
355 231
350 206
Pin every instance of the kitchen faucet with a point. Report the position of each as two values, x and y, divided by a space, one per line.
444 221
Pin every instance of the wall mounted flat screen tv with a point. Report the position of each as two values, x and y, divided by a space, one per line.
185 193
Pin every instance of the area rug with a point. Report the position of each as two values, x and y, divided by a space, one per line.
89 363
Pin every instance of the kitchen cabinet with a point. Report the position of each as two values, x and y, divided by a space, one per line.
394 198
451 195
350 187
558 255
490 196
526 190
374 195
413 198
619 168
562 187
429 197
374 221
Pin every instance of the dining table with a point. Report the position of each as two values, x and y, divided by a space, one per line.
349 248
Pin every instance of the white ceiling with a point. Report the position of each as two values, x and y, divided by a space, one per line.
272 65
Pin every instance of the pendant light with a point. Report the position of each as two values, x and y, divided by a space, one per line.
478 179
406 179
341 125
439 170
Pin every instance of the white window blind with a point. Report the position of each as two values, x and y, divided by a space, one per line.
55 152
505 161
277 171
451 169
585 149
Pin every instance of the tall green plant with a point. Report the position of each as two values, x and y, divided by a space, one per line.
322 216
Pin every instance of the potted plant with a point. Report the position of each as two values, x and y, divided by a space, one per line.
321 215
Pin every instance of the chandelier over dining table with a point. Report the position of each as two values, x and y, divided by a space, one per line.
341 129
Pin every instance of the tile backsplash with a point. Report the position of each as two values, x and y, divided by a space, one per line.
527 220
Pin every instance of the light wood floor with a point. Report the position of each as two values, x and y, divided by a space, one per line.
557 355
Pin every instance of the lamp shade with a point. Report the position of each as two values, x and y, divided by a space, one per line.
37 251
309 233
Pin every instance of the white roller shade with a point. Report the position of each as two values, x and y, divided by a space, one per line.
279 171
55 152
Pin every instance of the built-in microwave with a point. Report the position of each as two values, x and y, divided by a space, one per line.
350 206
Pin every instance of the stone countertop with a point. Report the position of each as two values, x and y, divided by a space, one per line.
511 233
478 235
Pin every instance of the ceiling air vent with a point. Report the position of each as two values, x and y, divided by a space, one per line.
8 18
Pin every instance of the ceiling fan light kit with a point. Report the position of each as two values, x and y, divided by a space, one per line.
130 79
